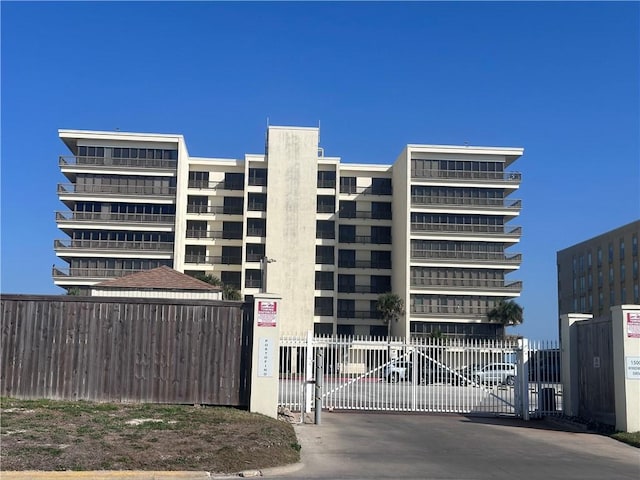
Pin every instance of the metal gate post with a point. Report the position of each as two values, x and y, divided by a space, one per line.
318 385
522 387
308 375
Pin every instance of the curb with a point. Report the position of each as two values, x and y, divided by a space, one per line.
144 475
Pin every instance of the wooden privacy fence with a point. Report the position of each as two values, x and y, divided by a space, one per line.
126 350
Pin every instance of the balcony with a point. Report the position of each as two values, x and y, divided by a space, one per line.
511 231
257 207
215 235
359 314
324 260
511 178
118 218
353 190
467 203
326 235
212 260
255 257
117 163
206 184
367 215
369 264
464 257
464 284
214 210
257 182
326 209
116 190
256 232
118 245
366 239
324 286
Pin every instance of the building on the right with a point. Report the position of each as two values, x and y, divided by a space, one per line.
599 273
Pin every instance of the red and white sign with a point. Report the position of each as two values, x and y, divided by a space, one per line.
633 325
267 313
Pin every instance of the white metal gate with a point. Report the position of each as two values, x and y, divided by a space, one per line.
496 377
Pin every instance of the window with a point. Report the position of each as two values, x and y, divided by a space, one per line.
381 235
347 233
610 253
347 184
323 306
622 272
325 229
324 280
347 209
233 205
326 204
233 181
381 210
380 259
326 179
381 186
258 176
231 230
634 246
256 227
346 283
325 255
599 256
255 252
198 179
346 258
257 202
621 249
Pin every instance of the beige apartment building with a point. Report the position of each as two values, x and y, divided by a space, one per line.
329 236
600 273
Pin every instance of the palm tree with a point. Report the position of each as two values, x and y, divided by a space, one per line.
391 306
208 278
507 313
229 292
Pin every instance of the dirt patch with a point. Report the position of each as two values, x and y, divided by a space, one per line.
52 435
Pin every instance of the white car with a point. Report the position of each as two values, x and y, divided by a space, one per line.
500 373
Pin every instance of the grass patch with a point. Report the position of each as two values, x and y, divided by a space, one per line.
632 438
62 435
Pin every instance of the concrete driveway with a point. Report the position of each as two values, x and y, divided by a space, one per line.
403 446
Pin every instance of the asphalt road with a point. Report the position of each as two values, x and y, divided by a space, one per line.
438 447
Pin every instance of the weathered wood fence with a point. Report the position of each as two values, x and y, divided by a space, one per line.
126 350
595 370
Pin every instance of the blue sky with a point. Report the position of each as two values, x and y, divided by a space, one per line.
559 79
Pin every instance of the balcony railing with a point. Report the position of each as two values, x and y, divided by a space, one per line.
510 230
494 203
366 239
214 210
362 289
252 283
326 184
361 314
82 244
219 235
107 217
320 260
213 260
352 190
206 184
329 235
326 209
515 258
255 257
68 160
464 283
508 177
71 188
256 232
448 310
365 215
92 273
257 181
257 207
363 264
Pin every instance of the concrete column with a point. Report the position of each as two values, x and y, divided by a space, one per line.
625 321
265 361
569 351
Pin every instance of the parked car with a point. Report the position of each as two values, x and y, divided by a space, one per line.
494 373
544 366
399 371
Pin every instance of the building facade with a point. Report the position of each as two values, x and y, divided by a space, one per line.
600 273
327 235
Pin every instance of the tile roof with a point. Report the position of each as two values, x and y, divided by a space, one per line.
164 278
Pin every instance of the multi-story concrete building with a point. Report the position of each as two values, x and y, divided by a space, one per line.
327 235
599 273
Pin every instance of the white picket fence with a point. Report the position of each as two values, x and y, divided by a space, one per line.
487 377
